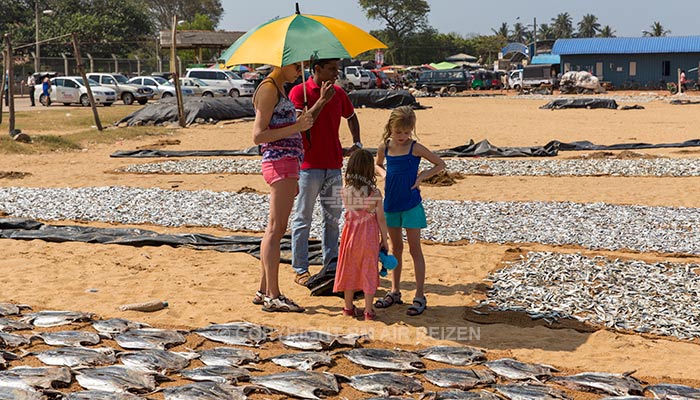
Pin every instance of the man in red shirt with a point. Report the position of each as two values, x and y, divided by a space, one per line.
320 174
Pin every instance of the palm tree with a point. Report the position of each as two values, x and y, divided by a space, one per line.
656 30
518 34
562 26
606 31
544 32
588 26
502 31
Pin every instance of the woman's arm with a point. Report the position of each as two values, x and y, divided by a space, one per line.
438 163
379 162
265 101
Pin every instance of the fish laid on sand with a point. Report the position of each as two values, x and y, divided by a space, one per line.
11 340
304 361
229 356
10 393
206 391
9 325
460 395
77 356
114 326
530 392
102 395
42 377
673 392
69 338
303 384
598 382
49 318
454 355
236 333
385 359
116 379
516 370
386 383
158 361
464 379
149 338
217 373
318 340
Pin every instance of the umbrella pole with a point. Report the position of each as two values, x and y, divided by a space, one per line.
306 103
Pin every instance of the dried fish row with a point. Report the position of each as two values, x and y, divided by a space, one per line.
590 225
660 298
662 167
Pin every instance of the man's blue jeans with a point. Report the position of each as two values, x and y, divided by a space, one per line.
315 183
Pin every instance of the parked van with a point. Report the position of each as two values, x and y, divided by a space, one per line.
455 80
354 77
535 76
217 77
515 79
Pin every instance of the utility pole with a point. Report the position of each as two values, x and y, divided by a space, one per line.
534 37
36 35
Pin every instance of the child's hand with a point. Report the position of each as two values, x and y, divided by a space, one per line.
419 179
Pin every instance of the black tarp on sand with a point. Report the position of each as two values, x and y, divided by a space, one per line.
559 104
382 98
207 108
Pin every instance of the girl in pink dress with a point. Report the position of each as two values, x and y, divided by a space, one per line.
364 233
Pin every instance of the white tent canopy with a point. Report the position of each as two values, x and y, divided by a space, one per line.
461 57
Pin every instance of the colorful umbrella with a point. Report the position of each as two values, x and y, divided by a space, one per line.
299 38
239 68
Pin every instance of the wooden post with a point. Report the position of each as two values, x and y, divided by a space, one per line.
81 69
10 92
176 76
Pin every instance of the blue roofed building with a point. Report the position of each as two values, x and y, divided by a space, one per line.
638 62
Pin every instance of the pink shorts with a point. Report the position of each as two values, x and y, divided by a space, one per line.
275 171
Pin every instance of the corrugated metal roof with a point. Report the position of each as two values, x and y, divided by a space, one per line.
633 45
546 59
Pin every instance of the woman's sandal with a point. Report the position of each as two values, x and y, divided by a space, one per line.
419 305
389 300
370 316
259 298
352 312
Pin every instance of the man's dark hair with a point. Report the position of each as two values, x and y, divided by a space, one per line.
321 62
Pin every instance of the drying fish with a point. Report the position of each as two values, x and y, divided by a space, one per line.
386 383
673 392
464 379
230 356
5 356
149 338
625 398
77 357
396 360
116 379
154 360
317 340
455 355
217 373
8 393
42 377
115 326
13 381
206 391
12 340
55 318
101 395
304 384
598 382
304 361
460 395
8 325
236 333
8 309
69 338
516 370
530 392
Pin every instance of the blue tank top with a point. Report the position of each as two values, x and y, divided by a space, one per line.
401 174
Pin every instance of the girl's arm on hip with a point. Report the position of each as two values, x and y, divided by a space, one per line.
379 162
438 163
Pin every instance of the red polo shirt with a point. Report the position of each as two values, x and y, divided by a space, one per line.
325 150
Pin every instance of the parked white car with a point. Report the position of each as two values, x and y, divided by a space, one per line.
236 85
202 88
71 89
162 88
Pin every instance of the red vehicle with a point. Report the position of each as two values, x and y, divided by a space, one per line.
383 81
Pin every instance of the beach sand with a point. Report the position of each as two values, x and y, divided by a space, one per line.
205 287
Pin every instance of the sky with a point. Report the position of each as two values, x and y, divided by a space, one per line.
628 18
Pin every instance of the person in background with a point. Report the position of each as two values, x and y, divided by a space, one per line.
323 158
403 205
364 233
46 90
277 130
684 82
31 81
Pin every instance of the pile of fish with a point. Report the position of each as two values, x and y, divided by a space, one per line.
675 167
629 295
118 359
593 225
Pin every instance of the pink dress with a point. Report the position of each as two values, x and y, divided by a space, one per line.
358 256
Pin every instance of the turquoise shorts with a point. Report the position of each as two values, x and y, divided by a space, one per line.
410 219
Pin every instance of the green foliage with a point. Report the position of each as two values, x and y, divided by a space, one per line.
656 30
606 31
487 47
588 27
163 11
562 26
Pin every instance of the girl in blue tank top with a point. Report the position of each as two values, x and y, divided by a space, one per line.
403 206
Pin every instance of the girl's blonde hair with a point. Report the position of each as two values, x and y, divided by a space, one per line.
401 118
359 173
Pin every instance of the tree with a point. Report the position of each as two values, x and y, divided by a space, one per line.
502 31
403 18
487 47
606 32
519 33
656 30
544 32
562 26
588 27
184 10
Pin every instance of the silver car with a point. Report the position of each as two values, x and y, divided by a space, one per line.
161 87
203 89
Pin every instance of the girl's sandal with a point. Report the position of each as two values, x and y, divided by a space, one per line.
353 312
419 305
389 300
370 316
259 298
